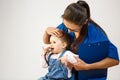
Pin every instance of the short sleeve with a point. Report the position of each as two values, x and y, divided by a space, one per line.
112 51
71 57
62 27
43 62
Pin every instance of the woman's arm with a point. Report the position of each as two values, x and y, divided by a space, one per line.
46 38
105 63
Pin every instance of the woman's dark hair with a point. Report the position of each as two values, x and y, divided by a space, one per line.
79 14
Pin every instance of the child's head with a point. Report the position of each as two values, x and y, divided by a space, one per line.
59 44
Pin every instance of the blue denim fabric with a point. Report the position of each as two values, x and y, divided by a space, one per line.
56 70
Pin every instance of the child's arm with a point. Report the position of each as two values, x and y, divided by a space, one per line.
68 57
44 56
43 62
71 57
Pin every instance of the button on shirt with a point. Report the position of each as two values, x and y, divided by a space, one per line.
95 47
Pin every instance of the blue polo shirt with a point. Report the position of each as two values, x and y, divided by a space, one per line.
95 47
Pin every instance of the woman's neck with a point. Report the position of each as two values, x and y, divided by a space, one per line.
77 34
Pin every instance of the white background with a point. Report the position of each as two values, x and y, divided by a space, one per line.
23 22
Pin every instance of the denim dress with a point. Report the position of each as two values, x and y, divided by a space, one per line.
56 70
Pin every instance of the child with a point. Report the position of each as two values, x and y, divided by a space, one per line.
52 56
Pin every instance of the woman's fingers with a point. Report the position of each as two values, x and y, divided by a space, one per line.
63 60
54 31
57 32
80 65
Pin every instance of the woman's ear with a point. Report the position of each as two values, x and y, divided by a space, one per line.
86 21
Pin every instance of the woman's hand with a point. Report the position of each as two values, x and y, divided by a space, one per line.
105 63
51 31
80 65
54 31
63 60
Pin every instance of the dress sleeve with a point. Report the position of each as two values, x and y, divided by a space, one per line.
71 57
43 62
112 51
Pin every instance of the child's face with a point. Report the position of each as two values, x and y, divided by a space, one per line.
57 45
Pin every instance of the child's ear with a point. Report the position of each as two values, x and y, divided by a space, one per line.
64 45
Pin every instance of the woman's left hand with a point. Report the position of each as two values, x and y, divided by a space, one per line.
80 65
63 60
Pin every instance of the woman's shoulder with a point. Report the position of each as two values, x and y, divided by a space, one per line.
96 34
92 29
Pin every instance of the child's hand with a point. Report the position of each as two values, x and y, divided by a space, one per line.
46 49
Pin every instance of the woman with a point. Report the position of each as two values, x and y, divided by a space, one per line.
89 41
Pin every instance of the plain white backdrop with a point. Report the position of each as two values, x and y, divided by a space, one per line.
23 22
